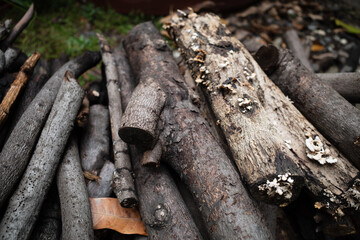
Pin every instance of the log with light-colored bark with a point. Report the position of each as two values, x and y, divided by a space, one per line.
23 138
24 205
74 198
15 88
269 138
123 182
190 148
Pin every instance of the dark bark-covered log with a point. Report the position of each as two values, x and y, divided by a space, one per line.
10 56
5 28
74 198
22 139
160 190
335 117
24 21
48 226
328 174
224 67
190 148
2 62
103 186
293 43
123 182
24 205
15 88
151 158
95 143
346 84
139 122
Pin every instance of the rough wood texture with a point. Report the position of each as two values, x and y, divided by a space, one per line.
23 138
23 22
223 66
74 198
346 84
24 205
139 122
190 148
15 88
160 190
151 158
103 186
335 117
329 182
293 43
95 143
123 182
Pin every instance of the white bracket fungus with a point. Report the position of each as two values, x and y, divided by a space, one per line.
316 150
282 186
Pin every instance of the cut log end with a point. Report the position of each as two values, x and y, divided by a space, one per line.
137 136
126 196
267 57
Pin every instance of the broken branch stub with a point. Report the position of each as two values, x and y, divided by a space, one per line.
151 158
139 122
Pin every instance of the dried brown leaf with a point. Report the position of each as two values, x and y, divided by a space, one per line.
107 213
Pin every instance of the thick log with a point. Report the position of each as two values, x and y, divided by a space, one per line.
286 130
160 190
95 143
24 205
103 186
123 182
223 66
15 88
346 84
190 148
139 122
74 199
23 138
292 41
335 117
18 28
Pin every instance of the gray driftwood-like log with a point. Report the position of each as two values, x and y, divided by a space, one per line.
190 148
123 182
139 122
225 69
160 190
74 198
335 117
103 186
23 138
24 205
18 28
236 86
346 84
293 43
95 143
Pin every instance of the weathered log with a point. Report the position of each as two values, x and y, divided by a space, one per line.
346 84
22 139
123 182
160 190
18 28
74 199
152 157
335 117
295 136
190 148
24 205
224 67
292 41
103 186
95 143
15 88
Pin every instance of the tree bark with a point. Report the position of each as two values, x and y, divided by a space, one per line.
95 143
151 158
190 148
15 88
74 198
123 182
103 186
24 205
22 139
294 136
335 117
160 190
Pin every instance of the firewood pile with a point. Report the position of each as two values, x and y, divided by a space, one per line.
214 143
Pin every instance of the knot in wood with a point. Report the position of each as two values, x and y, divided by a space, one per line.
161 215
